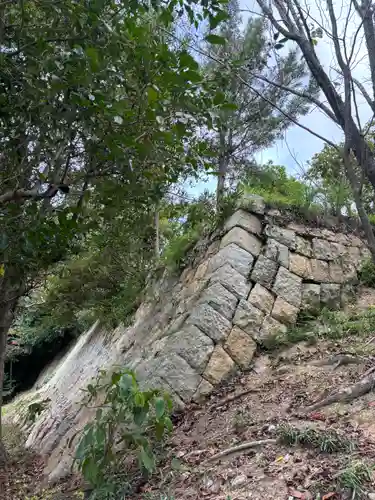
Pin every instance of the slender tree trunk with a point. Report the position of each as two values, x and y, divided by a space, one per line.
223 170
157 234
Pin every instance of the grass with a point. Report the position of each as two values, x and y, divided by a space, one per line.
324 441
328 325
356 478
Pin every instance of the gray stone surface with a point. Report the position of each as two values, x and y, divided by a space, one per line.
299 264
264 271
303 246
336 272
323 249
204 389
284 236
288 286
241 347
179 375
310 297
319 271
248 317
277 251
220 366
247 221
261 298
330 295
232 254
271 327
284 312
212 323
232 280
220 299
243 239
192 345
252 203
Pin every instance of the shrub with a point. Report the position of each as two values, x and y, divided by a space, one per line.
367 273
128 420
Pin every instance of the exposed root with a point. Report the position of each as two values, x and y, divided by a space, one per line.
236 396
240 447
347 394
340 360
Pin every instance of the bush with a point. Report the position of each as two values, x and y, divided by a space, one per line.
367 273
128 419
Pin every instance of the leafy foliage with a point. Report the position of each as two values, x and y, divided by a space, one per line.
127 419
356 477
327 441
366 273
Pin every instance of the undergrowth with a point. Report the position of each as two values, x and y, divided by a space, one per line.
327 441
329 325
366 273
357 477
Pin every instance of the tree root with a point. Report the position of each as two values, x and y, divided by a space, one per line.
340 360
240 447
229 399
346 394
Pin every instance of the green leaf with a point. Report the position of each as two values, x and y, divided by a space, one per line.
140 414
279 46
152 95
147 459
215 39
139 399
229 106
188 61
126 382
216 20
314 41
159 407
219 98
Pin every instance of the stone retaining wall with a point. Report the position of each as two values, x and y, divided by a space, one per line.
247 282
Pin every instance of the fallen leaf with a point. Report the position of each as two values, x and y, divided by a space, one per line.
329 495
317 416
371 403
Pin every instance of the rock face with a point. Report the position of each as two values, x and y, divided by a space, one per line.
246 283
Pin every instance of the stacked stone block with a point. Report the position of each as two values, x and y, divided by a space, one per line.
249 284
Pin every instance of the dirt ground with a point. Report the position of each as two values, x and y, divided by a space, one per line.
254 407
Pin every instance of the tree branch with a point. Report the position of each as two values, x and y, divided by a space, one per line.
21 195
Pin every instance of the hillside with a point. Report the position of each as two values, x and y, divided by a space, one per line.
241 295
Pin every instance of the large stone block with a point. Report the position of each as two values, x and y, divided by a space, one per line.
220 366
270 328
355 241
303 246
336 272
220 299
264 271
288 286
252 203
201 270
330 295
192 345
243 219
204 389
241 347
277 251
284 236
284 312
243 239
261 298
324 250
248 317
212 323
232 280
310 297
319 271
300 265
179 375
241 260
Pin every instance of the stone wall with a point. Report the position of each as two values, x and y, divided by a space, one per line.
246 282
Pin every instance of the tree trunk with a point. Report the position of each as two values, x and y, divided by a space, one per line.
157 234
223 170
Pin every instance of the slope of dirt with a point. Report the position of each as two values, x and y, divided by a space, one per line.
274 393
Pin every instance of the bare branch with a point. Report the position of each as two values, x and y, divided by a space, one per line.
269 14
21 195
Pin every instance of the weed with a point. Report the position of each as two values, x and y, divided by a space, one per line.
367 273
325 441
356 477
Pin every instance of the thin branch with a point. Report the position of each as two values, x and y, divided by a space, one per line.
269 14
315 101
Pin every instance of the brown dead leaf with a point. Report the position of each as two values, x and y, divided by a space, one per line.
329 495
297 494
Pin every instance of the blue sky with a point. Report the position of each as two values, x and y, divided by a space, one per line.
297 146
